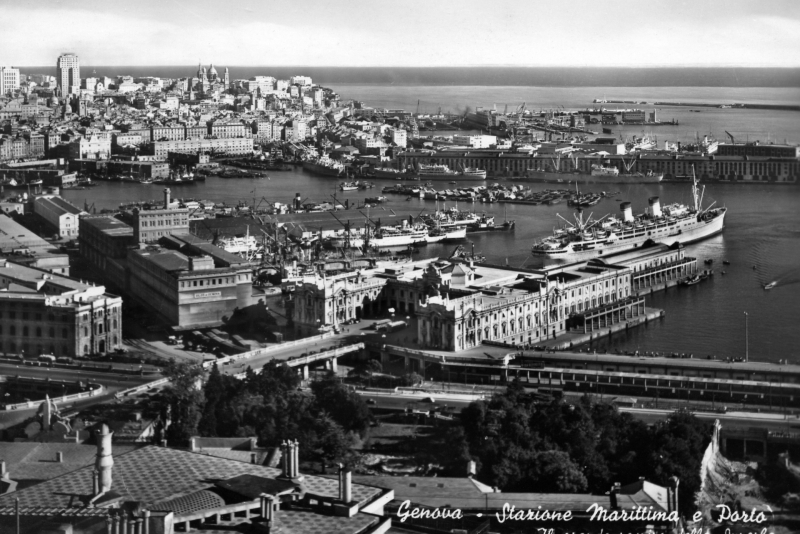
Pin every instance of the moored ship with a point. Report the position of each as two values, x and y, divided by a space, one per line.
598 174
324 166
436 172
585 239
472 173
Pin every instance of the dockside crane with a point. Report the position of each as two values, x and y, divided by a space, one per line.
733 141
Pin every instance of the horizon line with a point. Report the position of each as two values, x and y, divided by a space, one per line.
678 66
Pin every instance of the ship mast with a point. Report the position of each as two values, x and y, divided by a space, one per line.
698 199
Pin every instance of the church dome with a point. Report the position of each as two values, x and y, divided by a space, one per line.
212 71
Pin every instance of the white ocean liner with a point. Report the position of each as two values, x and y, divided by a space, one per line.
585 239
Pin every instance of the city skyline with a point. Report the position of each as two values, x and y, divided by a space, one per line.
458 34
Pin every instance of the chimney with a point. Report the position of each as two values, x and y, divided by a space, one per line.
95 483
627 212
192 445
345 484
674 506
253 457
3 472
471 468
267 509
60 457
655 207
104 462
166 198
613 495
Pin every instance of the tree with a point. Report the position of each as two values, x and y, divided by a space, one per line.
344 406
411 380
183 400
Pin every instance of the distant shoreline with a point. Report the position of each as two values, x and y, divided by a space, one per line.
482 76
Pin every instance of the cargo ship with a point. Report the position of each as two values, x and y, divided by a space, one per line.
586 239
324 166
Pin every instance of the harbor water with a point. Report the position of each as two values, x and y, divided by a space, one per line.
761 239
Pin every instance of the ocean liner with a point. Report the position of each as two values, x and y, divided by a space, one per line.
585 239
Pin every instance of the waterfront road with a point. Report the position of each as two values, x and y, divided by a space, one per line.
419 401
257 362
112 381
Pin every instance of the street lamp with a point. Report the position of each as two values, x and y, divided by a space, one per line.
746 340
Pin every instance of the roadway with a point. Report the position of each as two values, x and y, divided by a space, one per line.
112 381
257 362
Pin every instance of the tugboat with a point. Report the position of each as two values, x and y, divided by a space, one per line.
770 285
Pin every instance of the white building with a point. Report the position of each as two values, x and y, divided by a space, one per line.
475 141
399 137
301 80
9 79
59 213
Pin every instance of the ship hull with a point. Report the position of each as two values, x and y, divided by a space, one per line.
458 177
382 173
580 178
321 169
687 233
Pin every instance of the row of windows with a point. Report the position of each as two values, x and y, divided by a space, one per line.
207 282
26 330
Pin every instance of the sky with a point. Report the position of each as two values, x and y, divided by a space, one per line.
413 33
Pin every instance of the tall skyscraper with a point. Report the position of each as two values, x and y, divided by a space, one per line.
68 74
9 79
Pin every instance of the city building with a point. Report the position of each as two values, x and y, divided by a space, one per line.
768 150
194 284
91 147
58 213
68 75
140 169
47 313
233 147
20 245
475 141
9 80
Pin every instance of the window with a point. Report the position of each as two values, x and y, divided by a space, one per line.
39 331
25 331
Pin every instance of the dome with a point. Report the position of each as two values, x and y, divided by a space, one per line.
212 71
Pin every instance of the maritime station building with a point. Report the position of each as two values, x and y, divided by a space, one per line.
459 304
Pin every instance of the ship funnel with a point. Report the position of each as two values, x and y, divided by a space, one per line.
627 212
655 207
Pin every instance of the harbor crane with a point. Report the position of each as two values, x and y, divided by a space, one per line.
733 141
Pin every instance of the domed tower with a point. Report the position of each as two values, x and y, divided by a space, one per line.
199 72
212 74
203 76
226 77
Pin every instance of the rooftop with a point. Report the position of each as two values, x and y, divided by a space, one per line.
178 473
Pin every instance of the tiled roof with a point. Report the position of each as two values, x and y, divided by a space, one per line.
155 474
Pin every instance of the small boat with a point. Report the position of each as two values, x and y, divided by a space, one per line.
692 280
723 272
453 182
770 285
709 261
725 262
